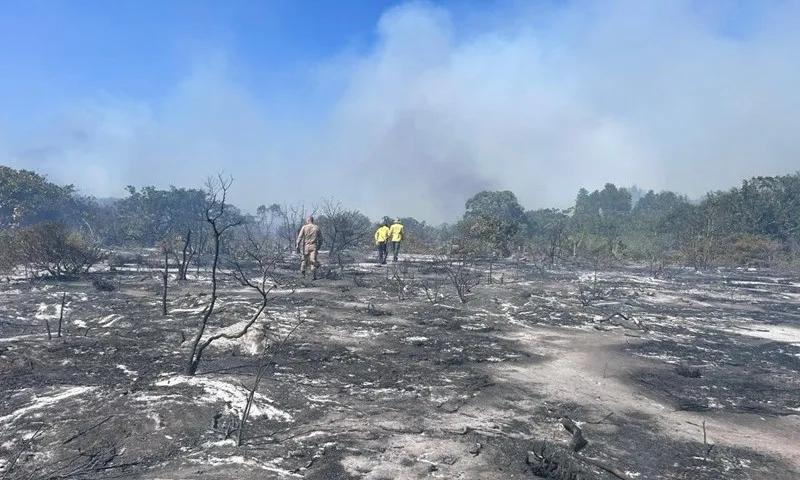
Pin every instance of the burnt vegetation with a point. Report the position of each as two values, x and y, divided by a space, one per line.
633 335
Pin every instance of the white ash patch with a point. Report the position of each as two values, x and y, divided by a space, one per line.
39 402
366 333
158 399
233 396
777 333
221 443
323 399
30 336
251 343
476 327
127 371
78 323
48 312
109 320
248 462
190 311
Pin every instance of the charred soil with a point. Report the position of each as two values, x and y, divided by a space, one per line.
390 375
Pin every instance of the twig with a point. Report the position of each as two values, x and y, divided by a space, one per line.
121 465
81 432
61 315
608 468
21 450
705 441
262 370
598 422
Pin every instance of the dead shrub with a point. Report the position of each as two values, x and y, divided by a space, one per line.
549 462
103 285
53 248
688 371
594 290
461 272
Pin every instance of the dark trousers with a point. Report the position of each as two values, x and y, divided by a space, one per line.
395 250
382 252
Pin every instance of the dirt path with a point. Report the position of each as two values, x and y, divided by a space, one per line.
587 369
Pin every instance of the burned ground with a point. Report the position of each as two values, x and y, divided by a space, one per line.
694 376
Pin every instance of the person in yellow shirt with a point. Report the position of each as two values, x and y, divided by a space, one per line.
381 239
396 236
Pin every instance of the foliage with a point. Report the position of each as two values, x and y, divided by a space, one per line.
748 250
486 235
548 233
9 254
755 223
285 221
420 236
343 229
150 216
53 248
502 205
27 198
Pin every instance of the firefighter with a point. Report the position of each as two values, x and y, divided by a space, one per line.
381 239
310 236
396 236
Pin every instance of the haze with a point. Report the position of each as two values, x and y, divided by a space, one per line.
401 108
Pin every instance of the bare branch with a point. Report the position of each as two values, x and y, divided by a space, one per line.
262 370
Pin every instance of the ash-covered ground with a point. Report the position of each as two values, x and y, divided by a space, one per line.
390 376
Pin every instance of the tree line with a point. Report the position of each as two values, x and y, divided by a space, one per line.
53 228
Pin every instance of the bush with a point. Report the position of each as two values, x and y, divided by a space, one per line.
52 248
9 255
747 250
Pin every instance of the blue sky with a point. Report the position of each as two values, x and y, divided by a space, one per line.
304 99
60 49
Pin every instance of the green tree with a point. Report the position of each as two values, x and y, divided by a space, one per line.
27 197
548 230
499 204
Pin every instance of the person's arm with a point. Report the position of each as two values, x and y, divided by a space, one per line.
300 236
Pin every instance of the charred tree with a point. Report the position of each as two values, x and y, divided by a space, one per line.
184 258
165 281
220 222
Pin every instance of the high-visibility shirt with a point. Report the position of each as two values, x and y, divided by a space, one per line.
396 232
381 234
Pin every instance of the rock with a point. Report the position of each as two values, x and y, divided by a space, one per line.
475 449
448 460
103 285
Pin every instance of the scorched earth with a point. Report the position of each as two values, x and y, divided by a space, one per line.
389 375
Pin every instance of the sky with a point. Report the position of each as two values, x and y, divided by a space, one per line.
400 108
